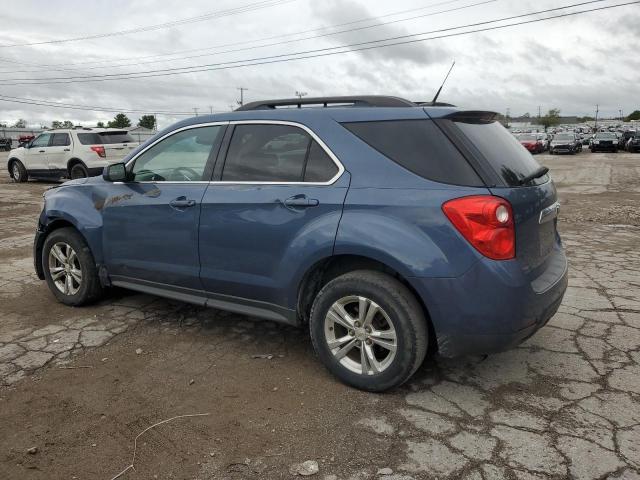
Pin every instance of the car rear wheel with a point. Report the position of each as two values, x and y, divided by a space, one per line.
18 172
78 171
69 268
369 330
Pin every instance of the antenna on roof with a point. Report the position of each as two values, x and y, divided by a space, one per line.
443 82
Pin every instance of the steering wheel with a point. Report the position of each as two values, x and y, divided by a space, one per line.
189 174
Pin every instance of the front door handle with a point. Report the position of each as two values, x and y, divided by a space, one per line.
301 201
40 151
67 149
182 202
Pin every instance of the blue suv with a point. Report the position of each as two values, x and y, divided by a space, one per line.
389 228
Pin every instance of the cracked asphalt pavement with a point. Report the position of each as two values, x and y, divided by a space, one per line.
78 384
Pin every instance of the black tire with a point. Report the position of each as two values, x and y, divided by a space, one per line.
78 171
89 289
401 307
17 168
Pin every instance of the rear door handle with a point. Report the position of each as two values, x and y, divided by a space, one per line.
182 202
41 151
67 149
301 201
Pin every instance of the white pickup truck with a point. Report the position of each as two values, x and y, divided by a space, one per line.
69 153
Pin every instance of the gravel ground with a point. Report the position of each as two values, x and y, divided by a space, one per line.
78 385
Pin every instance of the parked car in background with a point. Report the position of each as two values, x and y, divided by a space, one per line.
531 142
24 139
385 231
624 139
586 138
565 142
633 144
69 153
604 142
545 139
5 144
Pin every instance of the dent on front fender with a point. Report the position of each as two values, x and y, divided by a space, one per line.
77 205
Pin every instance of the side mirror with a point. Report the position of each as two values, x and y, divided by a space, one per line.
116 172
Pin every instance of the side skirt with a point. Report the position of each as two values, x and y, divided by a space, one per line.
243 306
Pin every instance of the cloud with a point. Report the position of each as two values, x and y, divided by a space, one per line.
570 63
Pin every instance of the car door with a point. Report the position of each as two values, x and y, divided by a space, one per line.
36 155
150 223
272 210
58 152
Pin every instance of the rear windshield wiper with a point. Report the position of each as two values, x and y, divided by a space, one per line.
536 174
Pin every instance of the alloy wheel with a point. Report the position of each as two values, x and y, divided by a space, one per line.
360 335
15 169
64 268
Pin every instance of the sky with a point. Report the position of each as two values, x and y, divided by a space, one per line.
570 63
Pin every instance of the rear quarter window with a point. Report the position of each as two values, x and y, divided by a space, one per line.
420 147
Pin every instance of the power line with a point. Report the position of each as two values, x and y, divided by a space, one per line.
72 106
273 37
207 16
323 52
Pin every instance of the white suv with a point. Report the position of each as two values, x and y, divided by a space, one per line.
69 153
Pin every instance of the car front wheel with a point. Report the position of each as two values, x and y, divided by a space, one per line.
18 172
69 268
369 330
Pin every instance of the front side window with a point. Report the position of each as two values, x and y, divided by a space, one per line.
182 157
60 140
276 153
41 140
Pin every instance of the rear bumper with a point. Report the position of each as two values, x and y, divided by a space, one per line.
493 307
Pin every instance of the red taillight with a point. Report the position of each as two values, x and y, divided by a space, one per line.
486 222
99 149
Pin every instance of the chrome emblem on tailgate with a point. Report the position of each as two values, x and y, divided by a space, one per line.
549 213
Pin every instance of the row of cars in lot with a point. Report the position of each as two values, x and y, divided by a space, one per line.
573 142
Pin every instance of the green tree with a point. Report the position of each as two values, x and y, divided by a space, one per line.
635 115
119 121
551 118
21 123
100 125
147 121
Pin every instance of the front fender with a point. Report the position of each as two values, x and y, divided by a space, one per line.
80 206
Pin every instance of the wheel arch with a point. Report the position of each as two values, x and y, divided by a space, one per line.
10 163
325 270
73 162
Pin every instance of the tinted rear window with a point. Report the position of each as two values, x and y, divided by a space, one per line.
501 150
420 147
104 138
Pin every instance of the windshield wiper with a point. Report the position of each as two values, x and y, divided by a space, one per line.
536 174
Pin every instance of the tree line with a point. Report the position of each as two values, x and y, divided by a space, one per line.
119 121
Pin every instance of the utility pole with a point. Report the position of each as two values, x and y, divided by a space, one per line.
195 109
539 111
211 109
507 117
621 115
596 122
300 94
241 101
155 122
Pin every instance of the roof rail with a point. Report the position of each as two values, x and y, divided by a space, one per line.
435 104
354 101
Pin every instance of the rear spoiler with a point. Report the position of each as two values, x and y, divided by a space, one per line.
472 116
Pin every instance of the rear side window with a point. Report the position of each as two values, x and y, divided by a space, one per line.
420 147
60 140
104 138
276 153
501 150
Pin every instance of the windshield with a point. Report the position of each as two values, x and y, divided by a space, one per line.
564 137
